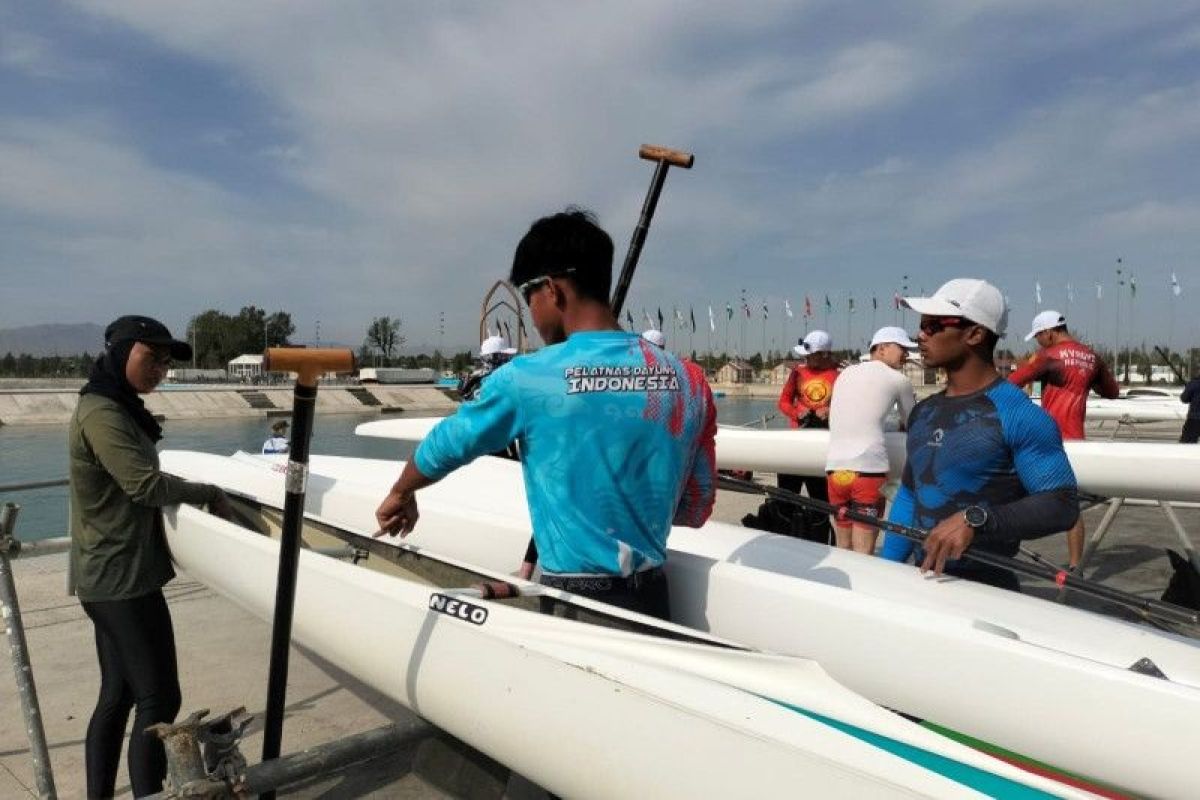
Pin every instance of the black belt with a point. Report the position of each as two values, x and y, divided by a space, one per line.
604 583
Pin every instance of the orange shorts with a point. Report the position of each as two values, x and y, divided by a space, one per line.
858 491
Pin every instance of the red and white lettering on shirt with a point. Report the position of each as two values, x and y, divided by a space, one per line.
1068 371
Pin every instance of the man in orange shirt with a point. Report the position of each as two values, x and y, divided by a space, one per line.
805 402
1068 370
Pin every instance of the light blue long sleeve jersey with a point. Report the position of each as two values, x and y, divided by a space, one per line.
616 441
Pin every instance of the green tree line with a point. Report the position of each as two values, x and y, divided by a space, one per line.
217 338
27 366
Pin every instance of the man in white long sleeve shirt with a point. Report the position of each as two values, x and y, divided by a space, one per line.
857 464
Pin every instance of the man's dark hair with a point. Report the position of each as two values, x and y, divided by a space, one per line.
568 240
1060 328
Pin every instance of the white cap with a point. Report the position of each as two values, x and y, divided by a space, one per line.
975 299
890 334
655 337
1044 322
496 344
815 342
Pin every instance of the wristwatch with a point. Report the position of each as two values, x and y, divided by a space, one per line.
976 516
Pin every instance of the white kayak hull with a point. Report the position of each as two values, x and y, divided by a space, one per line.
1151 470
594 712
1039 661
1137 410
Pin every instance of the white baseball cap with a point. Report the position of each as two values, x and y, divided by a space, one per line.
1044 322
815 342
496 344
890 334
655 337
972 298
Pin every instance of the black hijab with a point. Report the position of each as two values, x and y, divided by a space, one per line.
107 379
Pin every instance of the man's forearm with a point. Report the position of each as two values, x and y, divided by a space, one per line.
1033 517
411 480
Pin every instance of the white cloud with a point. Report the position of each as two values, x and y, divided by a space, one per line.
419 140
38 57
1151 218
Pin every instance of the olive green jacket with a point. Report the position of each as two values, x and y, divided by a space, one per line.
118 546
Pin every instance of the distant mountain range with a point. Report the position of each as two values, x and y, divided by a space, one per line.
54 339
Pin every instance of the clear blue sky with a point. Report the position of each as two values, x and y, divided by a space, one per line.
353 159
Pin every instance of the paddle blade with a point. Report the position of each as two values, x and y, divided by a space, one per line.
1184 588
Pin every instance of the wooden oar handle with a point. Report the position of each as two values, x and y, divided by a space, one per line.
676 158
310 363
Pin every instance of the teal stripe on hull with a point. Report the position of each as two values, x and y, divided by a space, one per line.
972 777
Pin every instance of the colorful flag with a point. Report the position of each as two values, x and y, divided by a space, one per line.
807 306
1175 288
712 322
787 307
1037 291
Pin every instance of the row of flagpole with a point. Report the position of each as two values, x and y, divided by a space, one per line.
723 321
1126 286
720 323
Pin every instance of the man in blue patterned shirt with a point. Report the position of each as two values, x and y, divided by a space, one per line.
986 467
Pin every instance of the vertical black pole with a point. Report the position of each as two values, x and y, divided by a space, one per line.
303 406
639 236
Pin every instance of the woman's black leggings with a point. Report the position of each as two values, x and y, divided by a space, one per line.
136 646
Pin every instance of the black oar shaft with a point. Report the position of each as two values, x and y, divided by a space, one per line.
639 236
1167 359
1166 611
664 158
303 407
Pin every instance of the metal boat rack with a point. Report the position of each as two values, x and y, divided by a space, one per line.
18 649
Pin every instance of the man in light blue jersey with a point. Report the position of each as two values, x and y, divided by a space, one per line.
616 434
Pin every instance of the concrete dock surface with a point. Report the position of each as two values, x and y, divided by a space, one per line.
223 657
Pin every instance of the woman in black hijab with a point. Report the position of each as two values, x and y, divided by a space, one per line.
119 556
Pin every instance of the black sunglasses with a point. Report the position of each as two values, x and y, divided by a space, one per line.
530 286
935 325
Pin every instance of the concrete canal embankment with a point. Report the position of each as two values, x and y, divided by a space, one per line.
55 405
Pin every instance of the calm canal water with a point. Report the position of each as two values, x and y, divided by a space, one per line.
39 452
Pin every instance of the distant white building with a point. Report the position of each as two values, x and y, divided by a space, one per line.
246 367
735 372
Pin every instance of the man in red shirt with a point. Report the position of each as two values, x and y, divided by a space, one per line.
1068 370
805 402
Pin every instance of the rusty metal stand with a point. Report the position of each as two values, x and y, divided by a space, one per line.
205 761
